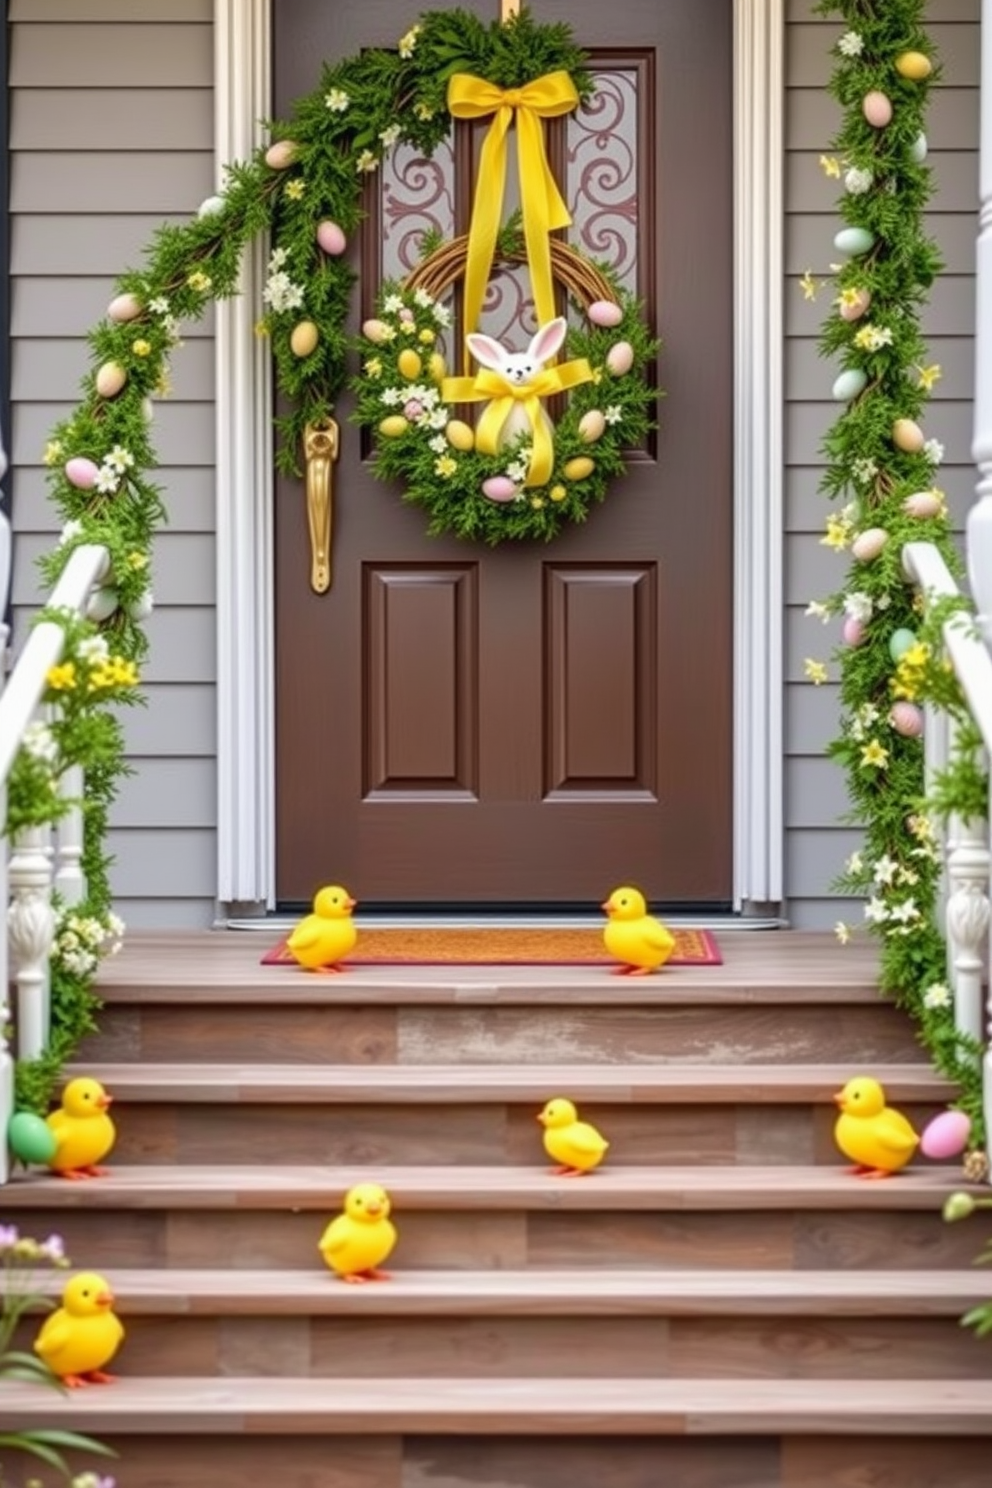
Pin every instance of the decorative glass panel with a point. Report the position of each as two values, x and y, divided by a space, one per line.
602 154
417 195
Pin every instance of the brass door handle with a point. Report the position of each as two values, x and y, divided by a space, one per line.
320 445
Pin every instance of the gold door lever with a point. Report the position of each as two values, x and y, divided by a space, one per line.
320 444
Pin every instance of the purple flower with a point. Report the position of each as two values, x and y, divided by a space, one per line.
8 1236
53 1248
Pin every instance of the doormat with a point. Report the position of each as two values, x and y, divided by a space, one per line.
505 946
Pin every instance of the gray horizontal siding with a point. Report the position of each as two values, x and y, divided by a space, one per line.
817 842
111 128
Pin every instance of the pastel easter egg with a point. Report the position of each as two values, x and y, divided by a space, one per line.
906 719
855 308
303 339
376 330
142 607
918 149
437 371
82 472
412 408
877 109
409 363
30 1138
620 358
853 631
124 307
578 468
868 544
210 206
946 1135
914 65
901 641
281 155
499 488
923 504
849 384
908 436
331 237
460 436
605 313
591 425
393 426
407 316
110 378
854 240
101 604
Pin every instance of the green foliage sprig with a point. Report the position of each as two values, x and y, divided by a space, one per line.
883 469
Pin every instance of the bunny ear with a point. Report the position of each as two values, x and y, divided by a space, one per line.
548 340
486 351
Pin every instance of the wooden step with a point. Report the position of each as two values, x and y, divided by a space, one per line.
469 1217
649 1324
341 1114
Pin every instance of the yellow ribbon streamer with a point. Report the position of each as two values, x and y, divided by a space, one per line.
541 203
504 394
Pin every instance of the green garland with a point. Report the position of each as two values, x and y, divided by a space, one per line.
883 468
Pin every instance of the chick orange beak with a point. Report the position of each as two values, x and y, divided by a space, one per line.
351 904
839 1097
374 1209
104 1299
605 907
105 1100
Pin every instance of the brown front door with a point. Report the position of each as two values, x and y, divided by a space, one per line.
532 724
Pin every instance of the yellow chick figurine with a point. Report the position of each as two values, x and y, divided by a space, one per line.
360 1239
83 1130
574 1144
79 1339
878 1140
321 941
636 939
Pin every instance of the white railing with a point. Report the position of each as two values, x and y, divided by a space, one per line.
41 859
967 850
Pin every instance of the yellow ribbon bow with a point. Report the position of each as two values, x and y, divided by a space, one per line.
541 203
504 394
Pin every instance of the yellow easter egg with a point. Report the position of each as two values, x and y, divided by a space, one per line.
394 426
110 378
436 368
578 468
907 435
409 363
304 338
591 425
460 436
914 65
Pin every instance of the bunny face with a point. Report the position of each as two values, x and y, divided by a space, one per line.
519 367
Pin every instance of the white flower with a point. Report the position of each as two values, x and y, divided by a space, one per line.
438 444
408 41
438 417
613 414
885 869
392 396
423 298
120 458
39 743
159 306
842 932
854 864
876 912
517 472
389 136
115 925
281 293
864 470
905 913
442 314
392 304
817 610
107 480
858 606
336 100
858 181
277 258
93 649
883 601
934 451
937 996
868 713
366 162
72 529
873 338
851 44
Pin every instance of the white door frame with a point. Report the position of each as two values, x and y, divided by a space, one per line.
245 578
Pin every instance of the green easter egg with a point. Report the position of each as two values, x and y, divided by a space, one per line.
854 240
900 642
29 1138
849 384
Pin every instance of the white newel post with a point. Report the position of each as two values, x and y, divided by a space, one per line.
31 930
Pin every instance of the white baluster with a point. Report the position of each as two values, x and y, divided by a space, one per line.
979 525
69 878
31 930
968 918
936 749
6 1060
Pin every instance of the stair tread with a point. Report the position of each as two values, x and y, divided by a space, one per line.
509 1406
440 1084
690 1187
531 1293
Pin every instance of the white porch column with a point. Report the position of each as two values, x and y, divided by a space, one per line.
979 527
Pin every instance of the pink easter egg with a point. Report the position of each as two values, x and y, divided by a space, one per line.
124 307
82 472
877 109
853 631
413 408
946 1135
331 237
605 313
407 316
499 488
906 719
858 308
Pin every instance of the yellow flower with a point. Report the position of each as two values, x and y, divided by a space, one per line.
597 374
875 755
842 932
408 41
930 375
373 367
62 678
916 657
810 287
838 534
53 452
423 111
558 493
199 281
163 387
537 502
427 337
445 466
261 329
137 561
141 348
849 298
295 189
831 166
815 671
366 161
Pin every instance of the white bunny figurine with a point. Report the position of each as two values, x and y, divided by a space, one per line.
519 368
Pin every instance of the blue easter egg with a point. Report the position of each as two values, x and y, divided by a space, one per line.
849 384
900 642
854 240
30 1138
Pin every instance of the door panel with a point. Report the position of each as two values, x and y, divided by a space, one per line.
532 725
